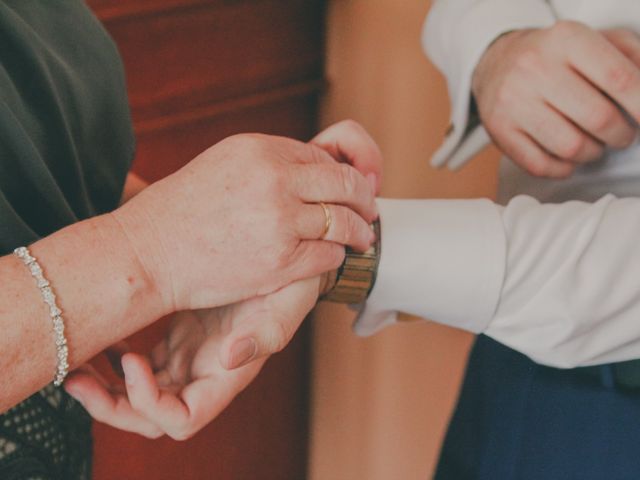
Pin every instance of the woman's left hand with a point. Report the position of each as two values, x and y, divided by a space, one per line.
207 358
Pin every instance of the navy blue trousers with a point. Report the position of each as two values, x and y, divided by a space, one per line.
516 419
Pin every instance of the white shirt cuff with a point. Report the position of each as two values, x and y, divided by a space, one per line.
440 259
458 49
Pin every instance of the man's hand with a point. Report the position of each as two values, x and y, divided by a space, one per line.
207 358
554 98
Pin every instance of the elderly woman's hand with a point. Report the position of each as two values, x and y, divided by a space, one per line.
243 219
211 355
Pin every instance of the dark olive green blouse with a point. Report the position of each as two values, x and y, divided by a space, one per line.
66 144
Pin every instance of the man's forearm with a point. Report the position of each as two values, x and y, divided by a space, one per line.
559 283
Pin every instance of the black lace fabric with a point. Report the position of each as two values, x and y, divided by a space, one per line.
46 437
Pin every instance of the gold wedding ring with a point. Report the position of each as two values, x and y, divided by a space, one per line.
327 220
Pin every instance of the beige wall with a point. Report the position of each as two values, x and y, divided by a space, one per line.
380 405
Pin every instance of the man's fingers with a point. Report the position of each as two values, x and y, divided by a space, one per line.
159 407
114 353
345 226
589 109
607 68
106 406
627 41
208 397
559 136
347 141
335 183
268 324
159 355
529 155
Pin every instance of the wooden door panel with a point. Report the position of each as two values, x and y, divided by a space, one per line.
162 151
198 71
211 51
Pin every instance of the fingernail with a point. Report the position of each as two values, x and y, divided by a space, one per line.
242 352
130 375
371 178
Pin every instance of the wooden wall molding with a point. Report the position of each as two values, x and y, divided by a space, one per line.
247 102
109 11
199 71
188 60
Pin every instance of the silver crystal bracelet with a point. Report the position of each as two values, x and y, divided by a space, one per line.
62 351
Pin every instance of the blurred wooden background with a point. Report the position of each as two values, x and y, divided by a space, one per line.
198 71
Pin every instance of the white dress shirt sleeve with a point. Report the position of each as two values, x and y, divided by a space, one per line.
455 35
557 282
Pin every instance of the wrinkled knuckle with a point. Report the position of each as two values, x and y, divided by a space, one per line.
566 28
506 97
622 79
536 166
572 147
496 124
529 60
315 153
349 227
348 180
601 119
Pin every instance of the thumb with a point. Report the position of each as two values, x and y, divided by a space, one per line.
265 325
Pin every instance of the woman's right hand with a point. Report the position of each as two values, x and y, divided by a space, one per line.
242 219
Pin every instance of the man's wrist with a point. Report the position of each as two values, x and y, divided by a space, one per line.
495 50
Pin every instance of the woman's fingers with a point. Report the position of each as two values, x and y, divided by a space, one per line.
344 226
348 142
627 41
336 183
